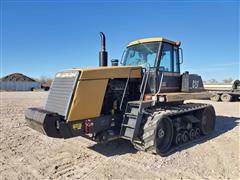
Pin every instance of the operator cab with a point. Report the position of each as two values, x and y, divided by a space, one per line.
161 57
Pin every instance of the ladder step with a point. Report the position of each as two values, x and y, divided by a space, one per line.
133 105
131 115
128 132
130 120
136 104
129 125
132 110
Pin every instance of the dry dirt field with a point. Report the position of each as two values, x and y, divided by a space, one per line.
27 154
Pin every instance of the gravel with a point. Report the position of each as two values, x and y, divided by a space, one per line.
27 154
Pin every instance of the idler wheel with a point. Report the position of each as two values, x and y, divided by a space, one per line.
208 120
163 135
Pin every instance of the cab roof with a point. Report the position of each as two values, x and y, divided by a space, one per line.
146 40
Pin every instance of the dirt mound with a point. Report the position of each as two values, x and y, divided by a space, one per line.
17 77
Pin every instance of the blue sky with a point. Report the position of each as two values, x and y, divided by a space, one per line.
44 37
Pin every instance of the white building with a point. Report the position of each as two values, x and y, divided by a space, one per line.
18 82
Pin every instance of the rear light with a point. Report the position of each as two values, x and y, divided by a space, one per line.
88 126
147 97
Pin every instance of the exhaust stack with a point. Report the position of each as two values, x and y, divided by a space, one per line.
103 55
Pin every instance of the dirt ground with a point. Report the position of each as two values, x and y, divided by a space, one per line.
27 154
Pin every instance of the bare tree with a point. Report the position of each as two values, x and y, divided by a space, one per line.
213 81
45 80
228 81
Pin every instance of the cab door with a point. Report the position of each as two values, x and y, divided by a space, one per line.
169 69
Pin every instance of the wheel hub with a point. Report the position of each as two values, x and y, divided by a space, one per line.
161 133
178 139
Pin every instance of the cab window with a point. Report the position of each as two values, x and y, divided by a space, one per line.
176 59
166 58
143 54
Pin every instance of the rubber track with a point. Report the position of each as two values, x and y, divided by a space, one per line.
150 126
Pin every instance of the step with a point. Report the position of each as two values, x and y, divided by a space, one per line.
129 125
125 137
131 115
130 120
132 109
128 132
134 103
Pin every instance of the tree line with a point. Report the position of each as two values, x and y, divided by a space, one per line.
214 81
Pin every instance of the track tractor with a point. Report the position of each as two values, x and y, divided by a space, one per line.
140 99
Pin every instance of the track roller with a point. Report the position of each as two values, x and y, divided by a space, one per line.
178 139
197 132
192 134
185 137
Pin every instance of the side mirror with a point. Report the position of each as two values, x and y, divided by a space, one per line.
180 56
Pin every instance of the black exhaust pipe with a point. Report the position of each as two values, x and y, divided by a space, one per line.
103 55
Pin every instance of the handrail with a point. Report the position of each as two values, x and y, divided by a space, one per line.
143 92
126 85
143 84
160 85
144 77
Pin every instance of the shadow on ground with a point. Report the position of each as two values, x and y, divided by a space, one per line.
115 147
121 146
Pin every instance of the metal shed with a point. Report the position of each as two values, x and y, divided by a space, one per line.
18 82
19 85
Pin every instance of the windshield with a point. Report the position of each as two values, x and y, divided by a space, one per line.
141 55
